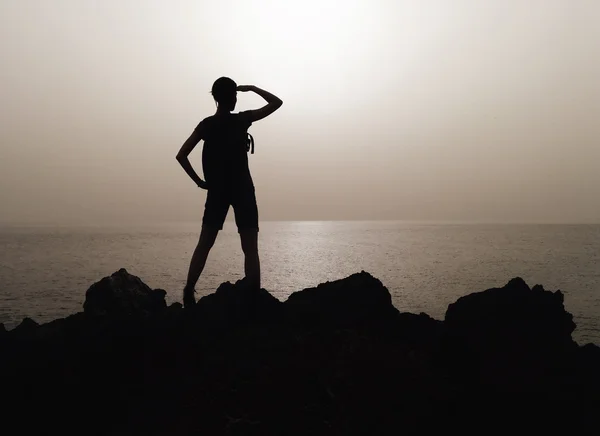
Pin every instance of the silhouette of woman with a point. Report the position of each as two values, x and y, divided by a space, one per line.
228 179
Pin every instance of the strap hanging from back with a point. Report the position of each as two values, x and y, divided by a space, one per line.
250 144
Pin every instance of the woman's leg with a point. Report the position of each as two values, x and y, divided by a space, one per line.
208 236
249 239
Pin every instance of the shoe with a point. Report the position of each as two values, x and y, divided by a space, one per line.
189 298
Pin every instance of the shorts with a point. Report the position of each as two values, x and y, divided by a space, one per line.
244 205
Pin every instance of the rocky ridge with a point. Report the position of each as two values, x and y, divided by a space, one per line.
337 359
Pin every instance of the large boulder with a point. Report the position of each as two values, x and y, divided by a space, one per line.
123 294
512 315
512 337
355 300
234 304
26 328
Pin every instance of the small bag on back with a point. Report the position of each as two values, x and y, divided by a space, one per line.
250 143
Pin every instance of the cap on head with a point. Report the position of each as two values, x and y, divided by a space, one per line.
224 90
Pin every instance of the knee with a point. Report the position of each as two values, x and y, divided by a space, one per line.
207 240
205 244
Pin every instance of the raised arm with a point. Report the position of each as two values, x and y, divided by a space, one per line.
273 102
185 150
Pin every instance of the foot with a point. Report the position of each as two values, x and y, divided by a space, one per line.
189 299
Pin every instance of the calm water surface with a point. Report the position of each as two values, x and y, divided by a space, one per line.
44 272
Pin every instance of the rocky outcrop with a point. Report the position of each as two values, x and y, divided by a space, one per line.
235 304
123 294
358 299
515 342
514 337
27 326
334 359
513 316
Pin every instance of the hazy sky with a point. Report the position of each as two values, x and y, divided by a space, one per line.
418 110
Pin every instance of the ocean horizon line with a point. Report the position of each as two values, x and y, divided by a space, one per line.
230 221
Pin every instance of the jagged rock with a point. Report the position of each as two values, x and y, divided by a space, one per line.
359 298
335 359
175 306
121 294
512 338
514 316
232 304
593 352
27 326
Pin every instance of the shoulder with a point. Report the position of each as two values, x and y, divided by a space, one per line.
203 125
206 121
245 118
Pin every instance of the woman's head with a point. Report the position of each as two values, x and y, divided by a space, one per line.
224 91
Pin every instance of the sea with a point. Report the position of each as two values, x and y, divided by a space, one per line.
45 271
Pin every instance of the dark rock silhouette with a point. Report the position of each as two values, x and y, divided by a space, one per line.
235 304
359 299
27 326
514 336
123 294
512 316
336 359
